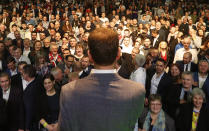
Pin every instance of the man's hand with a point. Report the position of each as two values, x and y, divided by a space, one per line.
182 101
53 127
67 71
50 127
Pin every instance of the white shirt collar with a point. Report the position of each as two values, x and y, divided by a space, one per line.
97 71
6 94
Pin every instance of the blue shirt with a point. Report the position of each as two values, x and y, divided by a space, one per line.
180 45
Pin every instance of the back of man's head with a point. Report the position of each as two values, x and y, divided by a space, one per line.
29 70
103 46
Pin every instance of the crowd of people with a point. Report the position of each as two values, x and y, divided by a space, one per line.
164 46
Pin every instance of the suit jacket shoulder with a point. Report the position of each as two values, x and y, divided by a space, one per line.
112 99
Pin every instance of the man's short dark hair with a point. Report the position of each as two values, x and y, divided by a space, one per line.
155 31
21 63
3 74
161 60
29 70
66 58
14 25
10 59
103 46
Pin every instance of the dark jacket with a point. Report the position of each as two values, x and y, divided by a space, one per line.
14 109
100 102
49 107
205 86
184 122
163 85
3 114
31 104
193 68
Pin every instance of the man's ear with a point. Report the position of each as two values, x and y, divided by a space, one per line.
90 57
119 54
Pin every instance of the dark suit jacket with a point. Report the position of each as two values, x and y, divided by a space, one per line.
14 109
160 38
30 98
98 11
184 122
86 73
62 66
7 22
194 66
184 28
205 86
3 114
17 81
163 85
100 102
173 100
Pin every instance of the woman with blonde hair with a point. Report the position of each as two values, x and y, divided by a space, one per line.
163 51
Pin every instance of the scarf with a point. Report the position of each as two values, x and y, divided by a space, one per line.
159 124
54 60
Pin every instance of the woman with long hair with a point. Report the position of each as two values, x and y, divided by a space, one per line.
79 52
164 51
203 49
36 51
49 103
67 26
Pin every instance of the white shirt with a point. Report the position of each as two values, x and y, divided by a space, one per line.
13 72
104 19
154 41
180 53
80 73
1 67
126 49
155 82
202 80
11 35
97 71
6 94
95 10
26 52
72 51
23 58
189 66
139 76
24 84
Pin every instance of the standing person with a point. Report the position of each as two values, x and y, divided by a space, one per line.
103 100
33 90
49 102
155 119
158 83
14 104
139 74
194 116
